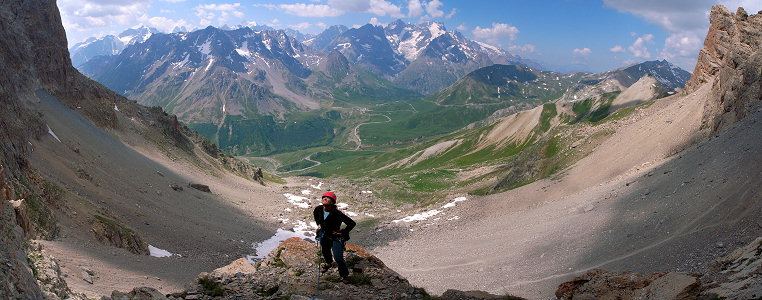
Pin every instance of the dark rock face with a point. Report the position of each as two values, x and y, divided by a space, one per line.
200 187
731 61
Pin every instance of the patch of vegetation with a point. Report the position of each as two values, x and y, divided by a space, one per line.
359 279
332 277
267 176
548 112
553 147
582 108
430 120
41 216
279 262
302 164
430 181
211 287
264 135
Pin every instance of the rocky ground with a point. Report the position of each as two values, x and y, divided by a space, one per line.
290 272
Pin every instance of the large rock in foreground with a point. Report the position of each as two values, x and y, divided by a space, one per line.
290 271
599 284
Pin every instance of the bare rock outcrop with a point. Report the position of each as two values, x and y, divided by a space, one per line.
112 233
22 216
737 275
290 271
731 61
600 284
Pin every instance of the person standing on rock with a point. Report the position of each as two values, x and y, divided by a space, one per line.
332 238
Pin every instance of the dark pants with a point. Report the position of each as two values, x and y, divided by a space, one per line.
326 245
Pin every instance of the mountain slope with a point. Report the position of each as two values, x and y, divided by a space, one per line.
97 178
662 192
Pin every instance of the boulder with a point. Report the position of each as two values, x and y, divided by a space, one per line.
470 295
111 233
200 187
296 252
240 265
600 284
139 293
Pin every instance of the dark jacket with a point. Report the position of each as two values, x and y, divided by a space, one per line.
333 222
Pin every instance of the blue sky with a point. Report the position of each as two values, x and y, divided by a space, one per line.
593 35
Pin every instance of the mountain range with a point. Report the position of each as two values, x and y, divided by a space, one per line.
227 82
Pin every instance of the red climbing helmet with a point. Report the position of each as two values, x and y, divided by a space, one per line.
330 195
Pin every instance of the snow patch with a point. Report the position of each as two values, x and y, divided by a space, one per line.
436 30
211 61
369 215
452 203
306 192
297 200
156 252
116 108
428 214
301 230
352 214
206 48
342 205
419 217
317 187
50 131
366 192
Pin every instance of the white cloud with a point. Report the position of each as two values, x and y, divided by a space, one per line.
350 5
383 8
305 26
582 52
673 15
414 9
300 26
685 20
374 21
310 10
617 49
451 13
83 15
432 8
528 48
163 24
207 13
681 48
496 32
461 27
173 1
639 49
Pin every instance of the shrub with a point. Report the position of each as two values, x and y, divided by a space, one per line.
211 287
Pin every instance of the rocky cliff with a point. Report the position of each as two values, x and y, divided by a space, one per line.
731 61
34 58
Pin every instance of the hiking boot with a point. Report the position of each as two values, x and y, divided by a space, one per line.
324 268
345 280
